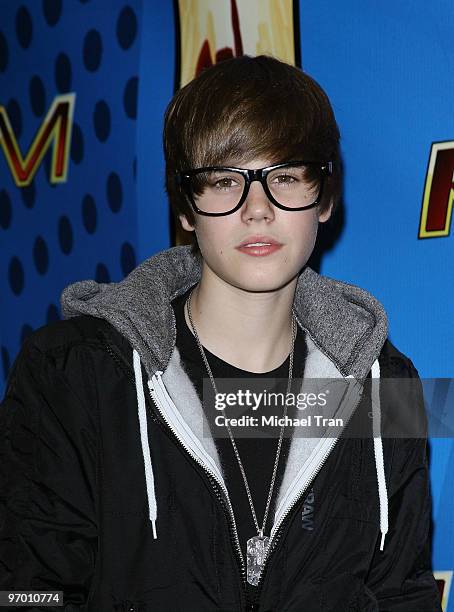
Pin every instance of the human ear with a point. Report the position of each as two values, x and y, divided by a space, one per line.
324 216
185 223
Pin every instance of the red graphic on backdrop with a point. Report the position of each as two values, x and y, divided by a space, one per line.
436 212
56 127
205 60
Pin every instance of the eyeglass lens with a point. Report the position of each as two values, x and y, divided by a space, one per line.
221 190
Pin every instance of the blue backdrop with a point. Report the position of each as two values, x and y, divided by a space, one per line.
388 73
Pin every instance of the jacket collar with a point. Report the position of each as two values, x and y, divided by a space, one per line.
346 330
345 322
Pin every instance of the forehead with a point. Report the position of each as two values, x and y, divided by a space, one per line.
251 163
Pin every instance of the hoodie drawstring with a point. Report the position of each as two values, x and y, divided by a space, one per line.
378 448
149 477
378 451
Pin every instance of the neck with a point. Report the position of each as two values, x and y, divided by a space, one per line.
249 330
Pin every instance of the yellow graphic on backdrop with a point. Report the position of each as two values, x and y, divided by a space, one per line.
444 580
55 128
436 210
211 31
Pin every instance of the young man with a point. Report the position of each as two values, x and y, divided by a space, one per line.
115 488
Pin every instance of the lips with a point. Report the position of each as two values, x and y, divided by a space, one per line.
258 241
259 246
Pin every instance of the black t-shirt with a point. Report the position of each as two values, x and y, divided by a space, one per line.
257 454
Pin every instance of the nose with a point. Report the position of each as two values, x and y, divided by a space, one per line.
257 205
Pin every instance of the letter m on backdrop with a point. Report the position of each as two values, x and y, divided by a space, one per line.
436 211
55 128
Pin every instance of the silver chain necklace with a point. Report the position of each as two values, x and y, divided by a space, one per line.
256 546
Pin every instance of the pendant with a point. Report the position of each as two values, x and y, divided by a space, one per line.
256 552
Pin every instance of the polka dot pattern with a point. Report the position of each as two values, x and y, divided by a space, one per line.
126 27
16 275
77 144
6 210
4 52
92 52
114 192
52 11
102 274
65 235
15 117
101 120
63 73
127 258
28 195
37 96
89 214
85 228
41 255
24 27
130 97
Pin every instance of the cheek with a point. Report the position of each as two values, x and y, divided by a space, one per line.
212 237
310 233
303 230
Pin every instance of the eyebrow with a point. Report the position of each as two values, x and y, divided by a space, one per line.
239 163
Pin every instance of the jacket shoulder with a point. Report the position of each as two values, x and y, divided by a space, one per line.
68 348
396 363
58 335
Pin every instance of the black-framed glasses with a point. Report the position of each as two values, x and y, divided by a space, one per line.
216 191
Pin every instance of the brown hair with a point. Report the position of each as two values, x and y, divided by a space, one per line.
248 107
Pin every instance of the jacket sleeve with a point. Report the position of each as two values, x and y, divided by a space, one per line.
400 577
48 528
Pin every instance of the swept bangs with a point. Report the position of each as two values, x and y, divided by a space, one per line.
245 108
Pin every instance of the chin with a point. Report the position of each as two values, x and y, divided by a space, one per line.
260 283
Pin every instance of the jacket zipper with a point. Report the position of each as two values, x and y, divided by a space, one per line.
217 485
275 538
163 422
228 509
278 532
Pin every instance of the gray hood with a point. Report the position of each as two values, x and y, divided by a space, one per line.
345 327
347 323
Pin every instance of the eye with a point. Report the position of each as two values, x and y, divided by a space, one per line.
284 179
224 183
292 176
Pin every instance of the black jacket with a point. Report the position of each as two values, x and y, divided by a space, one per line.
75 514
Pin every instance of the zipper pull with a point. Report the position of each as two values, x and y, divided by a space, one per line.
155 380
